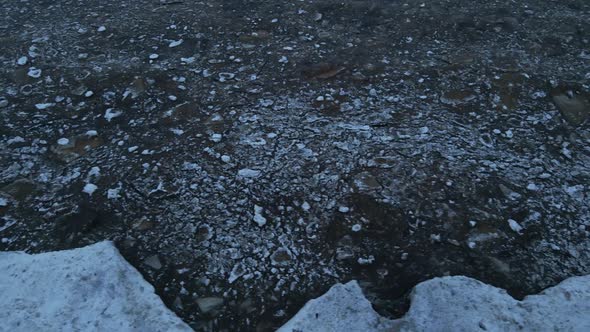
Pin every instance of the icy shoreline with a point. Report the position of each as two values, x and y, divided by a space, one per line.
95 289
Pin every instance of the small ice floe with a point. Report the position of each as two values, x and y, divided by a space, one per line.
63 141
177 131
515 226
175 43
91 133
22 60
248 173
88 94
258 217
43 106
89 188
343 209
305 206
34 72
113 193
110 114
101 28
225 158
283 59
216 138
133 148
154 56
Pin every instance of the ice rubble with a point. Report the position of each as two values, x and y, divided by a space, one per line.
86 289
452 304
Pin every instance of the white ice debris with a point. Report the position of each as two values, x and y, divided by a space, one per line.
216 138
343 209
258 217
154 56
175 43
89 188
34 72
85 289
101 28
113 193
91 133
451 304
305 206
3 202
356 227
63 141
43 106
22 61
225 158
515 226
110 114
283 59
248 173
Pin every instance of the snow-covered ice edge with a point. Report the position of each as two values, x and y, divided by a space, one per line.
85 289
452 304
95 289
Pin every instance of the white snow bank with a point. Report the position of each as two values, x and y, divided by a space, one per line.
86 289
452 304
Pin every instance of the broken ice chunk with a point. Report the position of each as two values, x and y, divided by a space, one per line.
22 61
258 217
63 141
89 188
248 173
43 106
110 114
34 72
175 43
515 226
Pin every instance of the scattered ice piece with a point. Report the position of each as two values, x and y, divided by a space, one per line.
258 217
3 202
366 261
91 133
177 131
101 28
16 139
34 72
110 114
63 141
188 60
89 188
515 226
113 193
175 43
471 245
236 272
283 59
248 173
88 94
424 130
216 138
225 158
356 227
532 187
305 206
320 98
154 56
509 133
43 106
94 171
343 209
472 223
172 97
133 148
22 60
